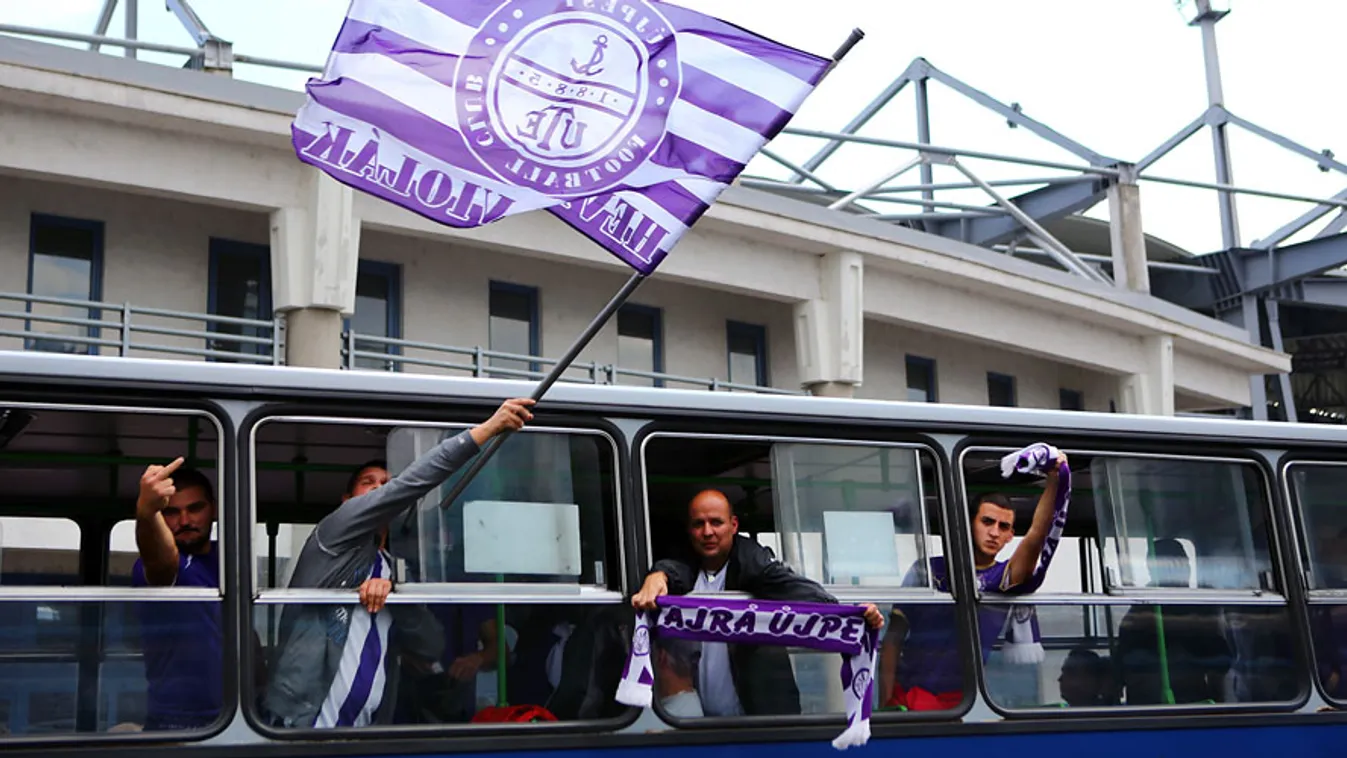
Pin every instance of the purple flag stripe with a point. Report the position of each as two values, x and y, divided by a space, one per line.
803 66
470 12
718 96
676 152
358 37
361 103
676 200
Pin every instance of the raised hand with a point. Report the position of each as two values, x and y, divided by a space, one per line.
656 584
156 488
510 416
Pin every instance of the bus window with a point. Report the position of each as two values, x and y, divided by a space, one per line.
512 594
1161 593
1322 513
861 519
83 648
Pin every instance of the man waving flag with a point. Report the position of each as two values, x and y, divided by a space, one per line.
624 118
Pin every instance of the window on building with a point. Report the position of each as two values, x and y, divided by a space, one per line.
747 353
920 380
1000 390
65 261
1071 400
240 288
513 329
378 313
640 344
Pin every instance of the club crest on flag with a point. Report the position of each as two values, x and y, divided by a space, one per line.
625 119
572 102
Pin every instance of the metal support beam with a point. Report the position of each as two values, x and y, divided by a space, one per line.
1334 227
1261 272
1017 117
190 21
915 70
1320 293
1206 19
1309 217
920 160
132 25
1061 253
1168 146
1320 159
924 137
104 21
1043 205
1274 327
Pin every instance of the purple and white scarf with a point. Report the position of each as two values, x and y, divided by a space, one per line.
819 626
1023 639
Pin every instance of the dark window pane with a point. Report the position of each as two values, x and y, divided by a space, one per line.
638 344
63 266
242 290
512 328
1072 400
374 302
747 359
920 380
1001 390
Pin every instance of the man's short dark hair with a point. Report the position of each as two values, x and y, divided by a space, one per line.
995 498
682 654
355 475
187 477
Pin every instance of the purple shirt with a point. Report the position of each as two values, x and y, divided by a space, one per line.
930 657
183 648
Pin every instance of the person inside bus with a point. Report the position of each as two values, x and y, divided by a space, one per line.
753 680
919 663
1328 624
1086 680
1184 645
182 641
337 666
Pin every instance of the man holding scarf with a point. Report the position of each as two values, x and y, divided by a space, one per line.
920 667
739 679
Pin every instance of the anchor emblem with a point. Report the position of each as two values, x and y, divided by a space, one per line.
592 67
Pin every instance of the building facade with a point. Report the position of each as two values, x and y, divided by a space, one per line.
157 212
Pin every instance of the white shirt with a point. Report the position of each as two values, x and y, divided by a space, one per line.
715 683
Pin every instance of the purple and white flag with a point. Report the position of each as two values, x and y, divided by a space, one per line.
624 118
819 626
1023 638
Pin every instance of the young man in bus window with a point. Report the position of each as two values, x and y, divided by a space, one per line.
182 641
919 664
754 680
336 665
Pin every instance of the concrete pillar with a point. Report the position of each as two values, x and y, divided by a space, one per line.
1150 392
315 249
1126 234
829 329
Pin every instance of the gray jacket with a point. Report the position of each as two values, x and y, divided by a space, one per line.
340 554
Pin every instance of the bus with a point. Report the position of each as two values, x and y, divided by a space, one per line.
1198 601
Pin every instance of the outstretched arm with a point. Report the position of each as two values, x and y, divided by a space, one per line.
1026 556
361 517
154 540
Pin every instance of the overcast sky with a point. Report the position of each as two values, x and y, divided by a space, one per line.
1119 77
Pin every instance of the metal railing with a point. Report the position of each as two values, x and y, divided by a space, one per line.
128 322
367 351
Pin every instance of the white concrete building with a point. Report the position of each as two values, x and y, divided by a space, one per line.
125 182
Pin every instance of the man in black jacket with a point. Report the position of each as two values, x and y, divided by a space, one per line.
736 679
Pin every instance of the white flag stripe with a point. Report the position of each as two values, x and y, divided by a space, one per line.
705 190
415 21
651 174
654 211
743 71
314 117
715 133
401 83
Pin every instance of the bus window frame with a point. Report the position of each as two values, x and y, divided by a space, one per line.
1299 548
447 593
1139 596
226 497
881 594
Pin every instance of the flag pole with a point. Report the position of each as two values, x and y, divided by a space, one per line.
596 326
553 376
